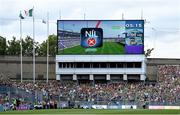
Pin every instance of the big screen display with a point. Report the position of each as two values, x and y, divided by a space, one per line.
98 37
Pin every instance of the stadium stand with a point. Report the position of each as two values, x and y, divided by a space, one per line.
70 94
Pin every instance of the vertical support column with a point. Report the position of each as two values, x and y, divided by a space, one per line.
143 75
91 77
108 77
57 71
57 67
125 77
66 65
74 77
58 77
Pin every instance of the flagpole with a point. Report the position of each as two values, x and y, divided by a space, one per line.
122 16
59 15
21 46
34 49
84 16
141 14
47 74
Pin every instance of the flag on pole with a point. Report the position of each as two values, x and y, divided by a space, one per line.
26 13
43 21
21 16
29 13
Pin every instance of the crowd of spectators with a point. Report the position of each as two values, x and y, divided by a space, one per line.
165 91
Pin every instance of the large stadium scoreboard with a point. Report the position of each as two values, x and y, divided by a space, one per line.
100 37
98 50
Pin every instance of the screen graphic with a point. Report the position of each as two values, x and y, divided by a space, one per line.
98 37
91 37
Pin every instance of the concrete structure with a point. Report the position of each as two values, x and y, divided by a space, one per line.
152 64
10 67
101 67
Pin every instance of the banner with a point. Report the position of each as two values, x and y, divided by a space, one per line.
99 106
164 107
129 106
23 107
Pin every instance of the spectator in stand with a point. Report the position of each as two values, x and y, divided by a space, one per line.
166 90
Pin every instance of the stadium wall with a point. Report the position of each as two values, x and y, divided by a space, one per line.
10 67
152 66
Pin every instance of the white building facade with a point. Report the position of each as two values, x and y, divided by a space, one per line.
107 67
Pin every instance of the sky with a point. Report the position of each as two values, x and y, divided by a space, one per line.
162 28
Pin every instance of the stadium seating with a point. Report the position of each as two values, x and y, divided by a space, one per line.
166 91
